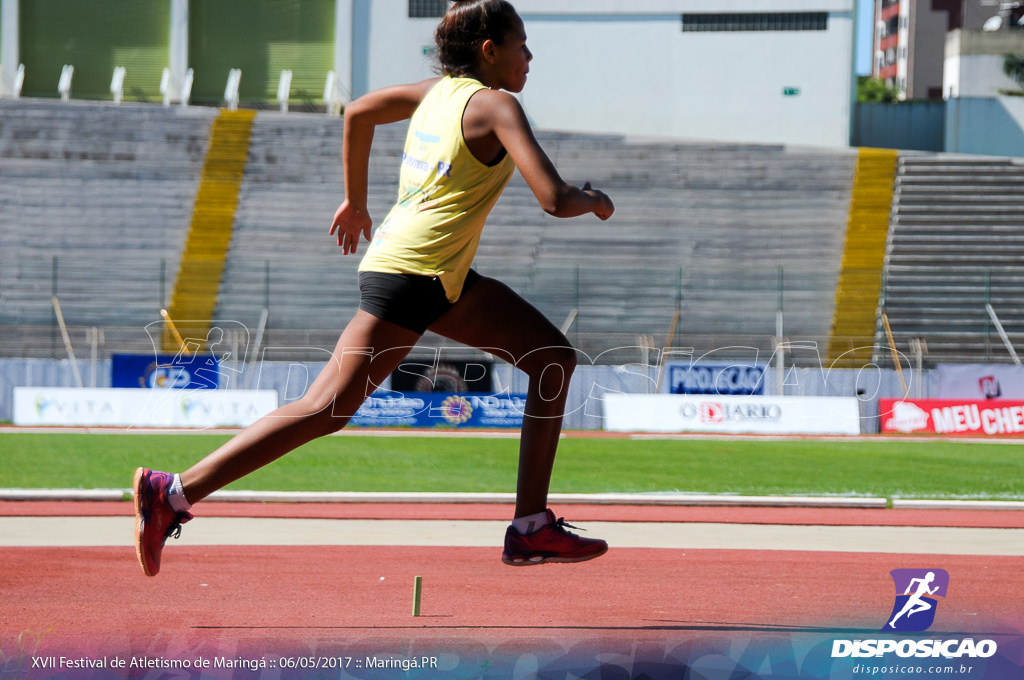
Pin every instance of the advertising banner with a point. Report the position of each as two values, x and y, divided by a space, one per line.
123 407
713 378
441 409
731 414
192 372
980 381
952 416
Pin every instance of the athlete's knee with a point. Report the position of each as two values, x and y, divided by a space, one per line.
555 362
567 359
319 413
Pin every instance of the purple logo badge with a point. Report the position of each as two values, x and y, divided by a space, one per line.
917 591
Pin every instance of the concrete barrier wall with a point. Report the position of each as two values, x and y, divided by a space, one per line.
987 126
584 409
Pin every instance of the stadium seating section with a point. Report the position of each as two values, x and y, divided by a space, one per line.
709 242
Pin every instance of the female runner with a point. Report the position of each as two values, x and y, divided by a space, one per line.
466 135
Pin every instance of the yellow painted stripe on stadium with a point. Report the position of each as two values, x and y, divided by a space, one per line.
194 296
860 276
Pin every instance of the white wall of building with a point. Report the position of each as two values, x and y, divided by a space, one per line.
618 66
978 75
399 45
974 63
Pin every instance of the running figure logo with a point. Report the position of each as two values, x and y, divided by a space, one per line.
916 593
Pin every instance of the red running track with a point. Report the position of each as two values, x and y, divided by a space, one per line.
255 602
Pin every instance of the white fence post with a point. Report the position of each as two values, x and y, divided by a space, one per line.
284 88
11 81
117 84
186 88
231 91
64 84
166 87
172 90
332 94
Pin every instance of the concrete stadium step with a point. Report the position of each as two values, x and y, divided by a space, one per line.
954 247
686 213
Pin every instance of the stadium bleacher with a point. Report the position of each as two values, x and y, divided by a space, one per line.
956 244
95 204
97 200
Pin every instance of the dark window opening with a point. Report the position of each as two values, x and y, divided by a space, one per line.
419 9
759 21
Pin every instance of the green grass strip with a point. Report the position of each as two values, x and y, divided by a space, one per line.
862 467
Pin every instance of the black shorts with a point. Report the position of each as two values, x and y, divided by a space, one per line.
412 301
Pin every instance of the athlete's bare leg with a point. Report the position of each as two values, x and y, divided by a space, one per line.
367 352
492 316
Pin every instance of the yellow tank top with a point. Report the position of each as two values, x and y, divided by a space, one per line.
444 195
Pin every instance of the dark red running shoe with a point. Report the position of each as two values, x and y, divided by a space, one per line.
553 543
155 520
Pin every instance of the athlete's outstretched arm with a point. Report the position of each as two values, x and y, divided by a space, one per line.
387 105
557 197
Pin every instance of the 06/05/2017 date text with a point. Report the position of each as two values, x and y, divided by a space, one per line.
378 662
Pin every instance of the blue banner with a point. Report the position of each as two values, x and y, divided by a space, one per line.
721 379
193 372
441 409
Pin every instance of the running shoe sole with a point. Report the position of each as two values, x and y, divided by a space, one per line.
541 559
141 507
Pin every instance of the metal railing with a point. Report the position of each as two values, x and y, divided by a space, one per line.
107 307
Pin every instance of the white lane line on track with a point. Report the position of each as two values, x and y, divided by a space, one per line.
656 498
643 499
118 531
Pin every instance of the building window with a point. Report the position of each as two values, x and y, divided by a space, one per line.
419 9
760 21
